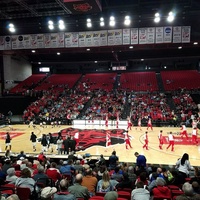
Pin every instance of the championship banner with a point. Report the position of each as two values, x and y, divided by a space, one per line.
151 35
96 38
89 39
142 35
1 43
27 41
7 43
81 39
177 34
103 40
167 34
40 40
111 37
60 40
186 34
47 40
20 42
33 41
134 35
54 40
71 39
126 36
14 41
159 35
118 37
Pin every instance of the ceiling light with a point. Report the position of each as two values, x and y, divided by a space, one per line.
102 24
95 61
89 23
61 25
11 28
170 17
88 49
127 21
33 51
112 21
157 18
51 27
142 59
180 47
58 53
50 22
102 21
39 63
131 47
195 43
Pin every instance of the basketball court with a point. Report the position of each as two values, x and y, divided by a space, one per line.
93 142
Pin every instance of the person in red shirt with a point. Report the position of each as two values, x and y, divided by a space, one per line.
53 172
161 191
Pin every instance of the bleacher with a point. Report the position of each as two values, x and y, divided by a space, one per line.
27 84
139 81
175 80
58 82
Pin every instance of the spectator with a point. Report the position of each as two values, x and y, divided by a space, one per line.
78 167
63 194
117 175
111 195
11 178
47 193
184 166
41 177
12 197
140 193
53 172
67 168
161 191
21 156
90 182
25 180
141 160
113 160
188 193
78 190
125 183
105 185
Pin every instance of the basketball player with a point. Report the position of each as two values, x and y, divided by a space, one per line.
76 138
160 137
8 141
139 124
106 120
149 124
194 135
33 140
129 124
127 140
184 131
171 141
146 140
117 120
108 139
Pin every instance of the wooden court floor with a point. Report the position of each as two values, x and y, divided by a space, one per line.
154 155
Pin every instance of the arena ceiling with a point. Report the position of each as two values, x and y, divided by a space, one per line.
31 16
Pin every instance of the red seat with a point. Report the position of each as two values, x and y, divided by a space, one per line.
124 194
97 198
176 192
100 194
24 193
173 187
8 189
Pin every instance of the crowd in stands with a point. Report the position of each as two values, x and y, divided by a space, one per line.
80 178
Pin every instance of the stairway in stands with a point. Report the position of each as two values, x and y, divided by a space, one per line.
160 82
